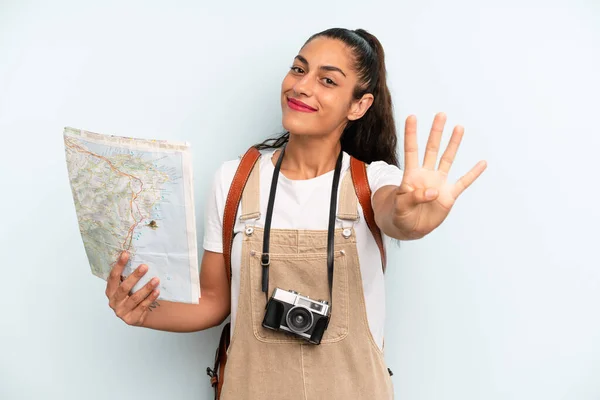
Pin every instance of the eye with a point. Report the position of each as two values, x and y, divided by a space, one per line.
297 69
329 81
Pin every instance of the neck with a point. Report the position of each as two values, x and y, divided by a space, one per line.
307 158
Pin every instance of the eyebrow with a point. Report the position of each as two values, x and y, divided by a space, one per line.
324 67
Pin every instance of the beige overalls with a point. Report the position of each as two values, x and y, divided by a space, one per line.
264 364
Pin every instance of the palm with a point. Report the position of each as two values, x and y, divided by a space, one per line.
416 215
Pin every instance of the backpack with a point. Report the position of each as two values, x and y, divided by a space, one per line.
358 170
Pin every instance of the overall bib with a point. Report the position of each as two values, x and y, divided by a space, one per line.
265 364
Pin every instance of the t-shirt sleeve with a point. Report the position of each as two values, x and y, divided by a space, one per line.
213 215
215 206
382 174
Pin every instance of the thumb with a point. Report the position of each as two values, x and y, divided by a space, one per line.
408 199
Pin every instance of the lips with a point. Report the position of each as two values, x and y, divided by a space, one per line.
300 106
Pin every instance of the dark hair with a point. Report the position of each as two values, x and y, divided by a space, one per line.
372 137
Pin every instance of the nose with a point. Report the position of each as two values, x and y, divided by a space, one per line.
303 86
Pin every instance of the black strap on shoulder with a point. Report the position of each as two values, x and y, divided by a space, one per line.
331 228
265 260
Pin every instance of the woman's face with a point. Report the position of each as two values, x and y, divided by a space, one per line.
316 94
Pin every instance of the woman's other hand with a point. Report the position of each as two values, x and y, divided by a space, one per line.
132 308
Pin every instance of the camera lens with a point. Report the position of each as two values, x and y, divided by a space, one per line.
299 319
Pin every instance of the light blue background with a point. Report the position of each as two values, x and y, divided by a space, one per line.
501 302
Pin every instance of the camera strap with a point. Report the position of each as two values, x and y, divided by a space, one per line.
265 261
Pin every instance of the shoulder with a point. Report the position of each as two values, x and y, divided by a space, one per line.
377 167
226 171
380 174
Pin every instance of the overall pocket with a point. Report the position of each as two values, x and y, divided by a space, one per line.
307 275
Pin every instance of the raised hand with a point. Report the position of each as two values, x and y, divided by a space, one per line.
130 307
424 198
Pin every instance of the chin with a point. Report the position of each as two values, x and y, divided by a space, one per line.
297 125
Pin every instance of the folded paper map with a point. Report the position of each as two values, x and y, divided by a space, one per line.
136 195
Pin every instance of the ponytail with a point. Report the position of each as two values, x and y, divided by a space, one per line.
372 137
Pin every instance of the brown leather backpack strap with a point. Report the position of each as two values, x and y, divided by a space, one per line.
222 358
358 169
233 201
217 374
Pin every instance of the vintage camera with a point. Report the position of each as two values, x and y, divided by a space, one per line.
297 314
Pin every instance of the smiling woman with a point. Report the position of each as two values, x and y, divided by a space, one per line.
296 240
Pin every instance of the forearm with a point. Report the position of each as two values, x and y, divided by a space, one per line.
182 317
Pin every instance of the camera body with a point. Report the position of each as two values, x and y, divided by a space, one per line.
298 315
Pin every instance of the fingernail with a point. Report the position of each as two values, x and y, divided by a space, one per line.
154 281
143 268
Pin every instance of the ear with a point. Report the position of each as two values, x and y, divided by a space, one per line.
358 108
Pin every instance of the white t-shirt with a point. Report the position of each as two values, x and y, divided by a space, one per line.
303 204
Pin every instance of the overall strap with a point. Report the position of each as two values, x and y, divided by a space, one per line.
348 203
251 196
242 174
363 192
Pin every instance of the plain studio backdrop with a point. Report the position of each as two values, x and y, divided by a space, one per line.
500 303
